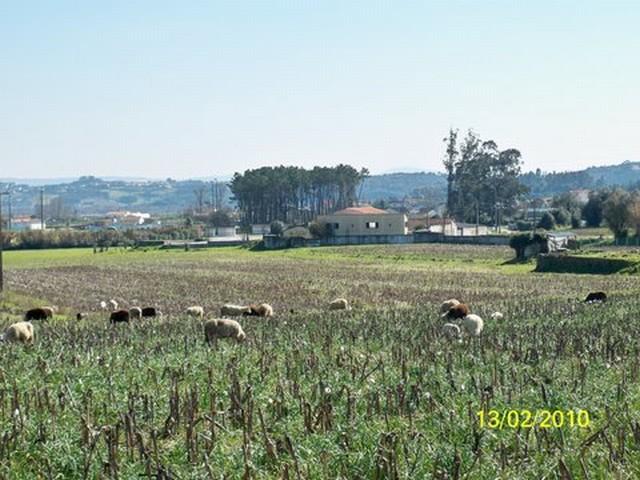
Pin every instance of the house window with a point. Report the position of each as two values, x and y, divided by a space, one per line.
372 225
336 226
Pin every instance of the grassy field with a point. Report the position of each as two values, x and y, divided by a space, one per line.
377 392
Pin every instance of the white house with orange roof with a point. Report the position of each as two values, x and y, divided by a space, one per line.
365 220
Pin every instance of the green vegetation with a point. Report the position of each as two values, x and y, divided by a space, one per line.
376 392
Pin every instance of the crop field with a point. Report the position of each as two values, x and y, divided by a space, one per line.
375 392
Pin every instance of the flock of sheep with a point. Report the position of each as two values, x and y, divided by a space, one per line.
22 332
458 315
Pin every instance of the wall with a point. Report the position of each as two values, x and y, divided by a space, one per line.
575 264
354 225
430 237
274 242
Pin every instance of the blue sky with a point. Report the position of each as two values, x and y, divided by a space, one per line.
186 89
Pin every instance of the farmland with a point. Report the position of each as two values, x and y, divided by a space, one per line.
376 392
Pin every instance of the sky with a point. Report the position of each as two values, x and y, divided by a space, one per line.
190 89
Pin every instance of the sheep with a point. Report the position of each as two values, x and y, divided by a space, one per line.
81 315
596 297
150 312
497 316
103 305
196 312
38 314
339 304
21 332
230 310
114 304
135 313
119 316
457 311
473 324
451 330
447 305
223 328
262 310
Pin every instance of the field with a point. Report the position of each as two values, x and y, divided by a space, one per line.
377 392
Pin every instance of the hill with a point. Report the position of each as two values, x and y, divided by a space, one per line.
91 195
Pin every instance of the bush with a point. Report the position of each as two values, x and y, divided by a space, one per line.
562 216
319 229
277 227
521 242
523 225
547 221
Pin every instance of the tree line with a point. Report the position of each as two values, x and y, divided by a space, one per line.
294 194
482 180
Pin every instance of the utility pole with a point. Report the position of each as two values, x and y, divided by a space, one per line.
1 244
42 209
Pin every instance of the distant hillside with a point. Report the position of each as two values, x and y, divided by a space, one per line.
90 195
545 184
399 185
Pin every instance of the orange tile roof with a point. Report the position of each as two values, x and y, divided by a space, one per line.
366 210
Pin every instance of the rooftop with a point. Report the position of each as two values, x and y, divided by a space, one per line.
365 210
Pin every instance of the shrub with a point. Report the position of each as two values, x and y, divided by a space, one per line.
277 227
523 242
547 221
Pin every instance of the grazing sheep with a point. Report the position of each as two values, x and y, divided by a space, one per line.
119 316
38 314
222 328
81 315
448 305
196 312
21 332
497 316
114 304
262 310
103 305
596 297
150 312
457 311
230 310
451 330
339 304
473 324
135 313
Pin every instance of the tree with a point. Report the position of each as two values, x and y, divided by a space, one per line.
562 216
547 221
219 218
615 211
592 211
277 227
450 164
293 194
485 179
634 212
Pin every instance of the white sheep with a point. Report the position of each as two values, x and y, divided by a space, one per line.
451 330
473 324
21 332
230 310
339 304
223 328
103 305
497 316
196 312
448 305
114 304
